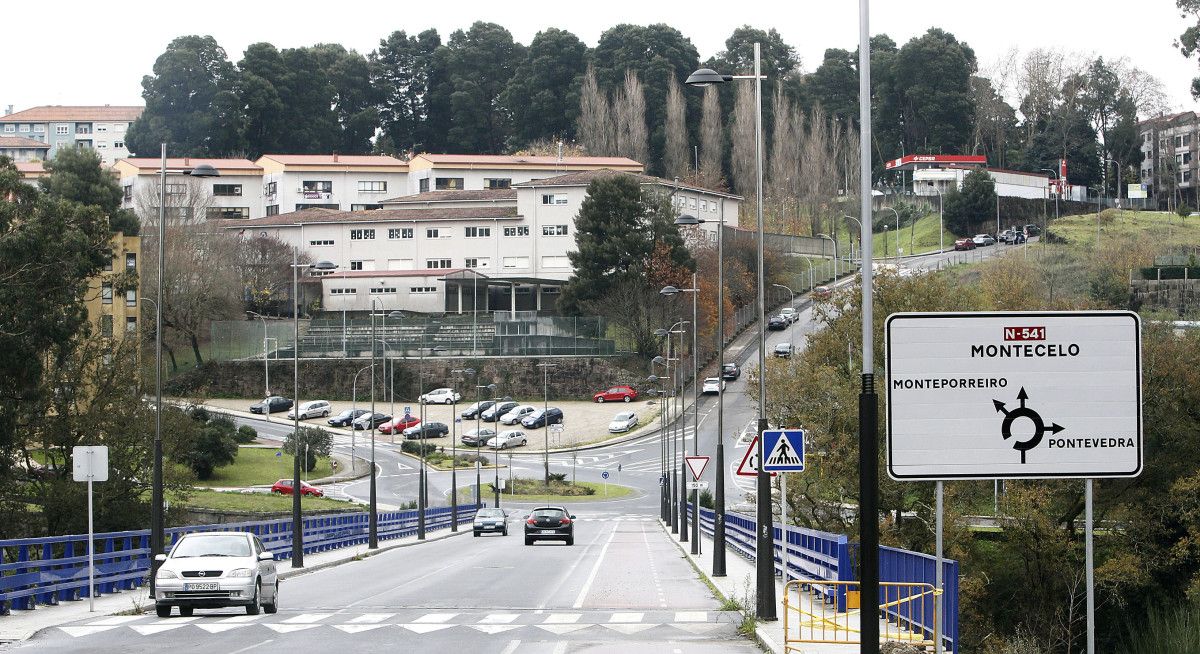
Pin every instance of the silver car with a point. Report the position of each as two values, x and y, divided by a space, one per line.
215 570
507 439
623 422
514 416
314 409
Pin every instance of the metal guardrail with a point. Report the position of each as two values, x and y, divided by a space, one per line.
52 569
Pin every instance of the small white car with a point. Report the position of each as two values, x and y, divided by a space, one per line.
713 385
440 396
790 313
622 422
314 409
507 439
215 570
514 416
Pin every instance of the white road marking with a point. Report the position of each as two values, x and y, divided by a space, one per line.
76 632
626 617
243 618
219 628
587 585
357 628
150 629
499 618
305 618
563 618
372 617
494 629
630 628
425 628
289 628
561 629
253 647
432 618
115 620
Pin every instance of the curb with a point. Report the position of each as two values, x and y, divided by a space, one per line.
294 572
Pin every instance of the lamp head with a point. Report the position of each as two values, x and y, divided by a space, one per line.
660 332
707 77
203 170
395 315
669 291
323 266
688 219
652 379
658 360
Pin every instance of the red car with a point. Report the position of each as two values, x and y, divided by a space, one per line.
616 394
964 244
400 423
284 487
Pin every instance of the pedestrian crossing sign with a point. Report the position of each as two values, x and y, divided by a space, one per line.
784 450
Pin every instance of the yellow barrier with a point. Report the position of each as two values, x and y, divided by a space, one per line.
824 612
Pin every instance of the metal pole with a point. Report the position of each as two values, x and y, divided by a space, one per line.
373 524
266 367
868 446
681 447
1089 553
156 484
421 476
297 519
91 540
783 517
938 581
696 412
718 563
453 463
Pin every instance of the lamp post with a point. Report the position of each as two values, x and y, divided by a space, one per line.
664 501
454 451
677 512
353 406
546 415
835 254
491 389
791 302
851 236
266 368
941 218
373 518
423 478
764 562
157 535
910 235
671 291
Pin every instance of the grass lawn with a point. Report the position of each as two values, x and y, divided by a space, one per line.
921 237
257 502
259 465
467 494
1165 229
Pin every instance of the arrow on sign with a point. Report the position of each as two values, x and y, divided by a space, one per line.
696 464
749 464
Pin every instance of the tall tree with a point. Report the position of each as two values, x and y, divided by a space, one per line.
834 85
308 104
596 130
355 98
995 125
935 72
676 156
75 174
629 111
779 60
1189 40
974 203
784 179
712 139
543 96
402 69
478 65
742 162
260 71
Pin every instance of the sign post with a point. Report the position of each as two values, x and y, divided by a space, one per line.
1035 395
604 476
784 450
90 463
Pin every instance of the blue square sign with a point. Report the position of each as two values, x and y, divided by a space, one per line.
784 450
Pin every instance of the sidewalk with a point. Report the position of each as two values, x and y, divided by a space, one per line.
23 624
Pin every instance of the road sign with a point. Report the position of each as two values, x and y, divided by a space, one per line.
1014 395
749 465
662 480
604 475
89 463
696 464
557 427
697 485
784 449
407 410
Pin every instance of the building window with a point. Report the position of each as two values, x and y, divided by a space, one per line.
556 262
550 290
554 230
23 128
39 129
9 129
437 263
362 235
1185 176
365 207
227 213
435 232
516 262
422 290
131 261
106 293
712 207
517 230
131 298
108 262
448 184
176 189
62 129
316 186
321 243
400 233
356 265
102 145
1183 159
372 187
119 144
478 232
704 205
423 185
477 262
131 325
498 183
270 188
128 192
101 128
272 210
343 291
383 290
1183 141
106 325
227 189
300 206
554 198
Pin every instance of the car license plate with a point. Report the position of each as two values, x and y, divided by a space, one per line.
548 531
210 585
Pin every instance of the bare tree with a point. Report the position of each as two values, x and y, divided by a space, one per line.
264 266
188 200
712 142
785 150
742 165
629 107
595 122
676 153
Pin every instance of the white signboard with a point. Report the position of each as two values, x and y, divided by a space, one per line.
1136 192
89 462
1014 395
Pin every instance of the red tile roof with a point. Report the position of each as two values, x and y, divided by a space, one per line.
21 142
31 168
335 216
61 114
585 177
151 163
547 161
334 160
482 195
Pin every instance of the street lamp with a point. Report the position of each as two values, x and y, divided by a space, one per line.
941 218
676 511
835 254
454 450
791 303
373 522
664 499
851 236
491 389
910 236
353 406
671 291
266 367
546 415
764 562
423 478
157 535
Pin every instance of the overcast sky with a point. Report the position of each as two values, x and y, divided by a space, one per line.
77 52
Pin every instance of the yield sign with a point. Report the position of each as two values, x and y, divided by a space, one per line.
749 464
696 464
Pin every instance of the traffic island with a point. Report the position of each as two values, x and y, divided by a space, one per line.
521 489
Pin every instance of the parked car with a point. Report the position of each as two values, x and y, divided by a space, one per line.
216 570
1018 238
777 323
314 409
822 293
623 422
616 394
399 424
783 350
984 239
369 420
475 409
272 404
478 437
516 414
964 244
490 521
344 418
1032 230
543 417
427 430
507 439
713 385
731 371
790 313
493 414
549 523
440 396
284 487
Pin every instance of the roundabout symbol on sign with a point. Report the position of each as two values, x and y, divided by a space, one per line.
1039 427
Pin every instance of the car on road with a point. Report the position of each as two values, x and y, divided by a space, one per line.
440 396
616 394
478 437
713 385
399 424
490 521
314 409
507 439
216 570
790 313
822 293
497 410
1032 230
543 417
984 239
427 430
515 414
783 350
271 404
549 523
623 422
1019 238
284 487
369 420
964 244
473 411
344 418
777 323
731 371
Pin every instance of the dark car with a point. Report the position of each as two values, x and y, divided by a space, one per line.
368 420
731 372
272 404
490 521
427 430
777 323
478 438
493 414
542 417
344 418
549 523
1033 230
475 409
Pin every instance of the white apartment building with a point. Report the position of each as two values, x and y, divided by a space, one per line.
99 128
474 172
292 182
235 194
1171 156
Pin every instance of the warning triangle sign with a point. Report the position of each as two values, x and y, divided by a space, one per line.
749 465
696 464
784 455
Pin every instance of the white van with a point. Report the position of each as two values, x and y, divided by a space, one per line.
314 409
790 313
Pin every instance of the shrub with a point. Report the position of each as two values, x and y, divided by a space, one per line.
414 448
706 499
554 476
246 434
1183 210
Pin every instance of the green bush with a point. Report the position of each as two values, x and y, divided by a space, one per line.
706 499
554 476
414 448
246 434
1166 631
1183 210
